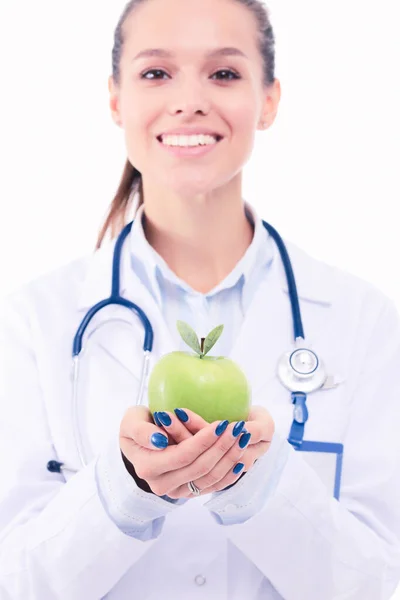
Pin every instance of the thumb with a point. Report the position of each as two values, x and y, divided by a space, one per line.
138 426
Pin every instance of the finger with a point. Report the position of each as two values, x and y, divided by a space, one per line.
191 420
171 440
232 458
248 458
260 424
226 464
177 456
205 461
173 426
181 492
137 425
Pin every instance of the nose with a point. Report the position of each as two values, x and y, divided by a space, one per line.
190 97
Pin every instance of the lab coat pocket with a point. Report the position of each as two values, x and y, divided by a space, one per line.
323 432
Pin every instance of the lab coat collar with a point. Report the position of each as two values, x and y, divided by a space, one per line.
150 265
315 283
315 280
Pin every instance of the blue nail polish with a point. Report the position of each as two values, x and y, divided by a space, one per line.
238 428
164 418
181 414
159 440
238 468
156 419
244 440
221 427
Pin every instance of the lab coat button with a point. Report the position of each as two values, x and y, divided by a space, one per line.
200 579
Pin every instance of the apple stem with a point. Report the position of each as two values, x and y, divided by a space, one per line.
202 344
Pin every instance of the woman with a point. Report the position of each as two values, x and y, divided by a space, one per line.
181 507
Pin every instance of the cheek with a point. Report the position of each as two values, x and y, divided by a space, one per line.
242 137
140 134
137 113
240 112
242 122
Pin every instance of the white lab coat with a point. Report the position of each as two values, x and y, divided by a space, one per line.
56 539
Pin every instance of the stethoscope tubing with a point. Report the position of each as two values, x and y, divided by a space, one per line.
116 299
298 329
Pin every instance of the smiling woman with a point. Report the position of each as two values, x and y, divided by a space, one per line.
165 84
220 87
260 471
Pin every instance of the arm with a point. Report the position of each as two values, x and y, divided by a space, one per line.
54 535
329 549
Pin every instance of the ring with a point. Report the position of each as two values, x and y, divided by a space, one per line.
194 489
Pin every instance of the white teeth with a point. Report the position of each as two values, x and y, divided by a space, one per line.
186 140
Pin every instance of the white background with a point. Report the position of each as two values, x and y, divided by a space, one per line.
326 174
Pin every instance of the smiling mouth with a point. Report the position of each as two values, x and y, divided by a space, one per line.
217 137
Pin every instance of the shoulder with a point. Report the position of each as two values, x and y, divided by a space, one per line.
345 291
59 287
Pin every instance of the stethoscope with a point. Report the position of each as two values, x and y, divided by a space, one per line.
299 370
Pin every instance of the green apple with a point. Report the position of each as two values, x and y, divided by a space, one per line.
214 387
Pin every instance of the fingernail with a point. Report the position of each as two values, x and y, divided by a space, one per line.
238 428
181 414
156 419
164 418
244 440
159 440
221 427
238 468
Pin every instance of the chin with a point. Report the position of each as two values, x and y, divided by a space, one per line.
188 190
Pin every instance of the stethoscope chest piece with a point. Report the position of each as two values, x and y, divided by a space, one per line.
301 370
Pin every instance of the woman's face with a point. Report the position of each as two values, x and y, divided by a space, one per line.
224 93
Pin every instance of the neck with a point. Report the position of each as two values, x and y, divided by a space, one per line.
200 242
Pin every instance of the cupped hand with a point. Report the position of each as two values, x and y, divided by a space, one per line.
259 425
209 453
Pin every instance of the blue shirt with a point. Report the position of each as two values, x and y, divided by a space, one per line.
138 513
227 303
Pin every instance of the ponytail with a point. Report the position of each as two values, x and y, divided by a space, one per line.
131 183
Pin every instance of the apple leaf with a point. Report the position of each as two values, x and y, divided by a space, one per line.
189 336
212 338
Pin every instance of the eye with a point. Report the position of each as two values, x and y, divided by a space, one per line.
143 75
235 75
230 71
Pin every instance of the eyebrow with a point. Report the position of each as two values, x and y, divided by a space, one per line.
228 51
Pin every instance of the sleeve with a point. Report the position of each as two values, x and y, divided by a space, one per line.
330 549
247 497
54 535
134 511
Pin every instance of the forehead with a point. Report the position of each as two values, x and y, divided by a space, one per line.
190 28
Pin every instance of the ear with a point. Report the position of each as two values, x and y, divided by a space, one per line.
114 101
272 98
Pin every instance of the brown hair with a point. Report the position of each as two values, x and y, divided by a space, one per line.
131 180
